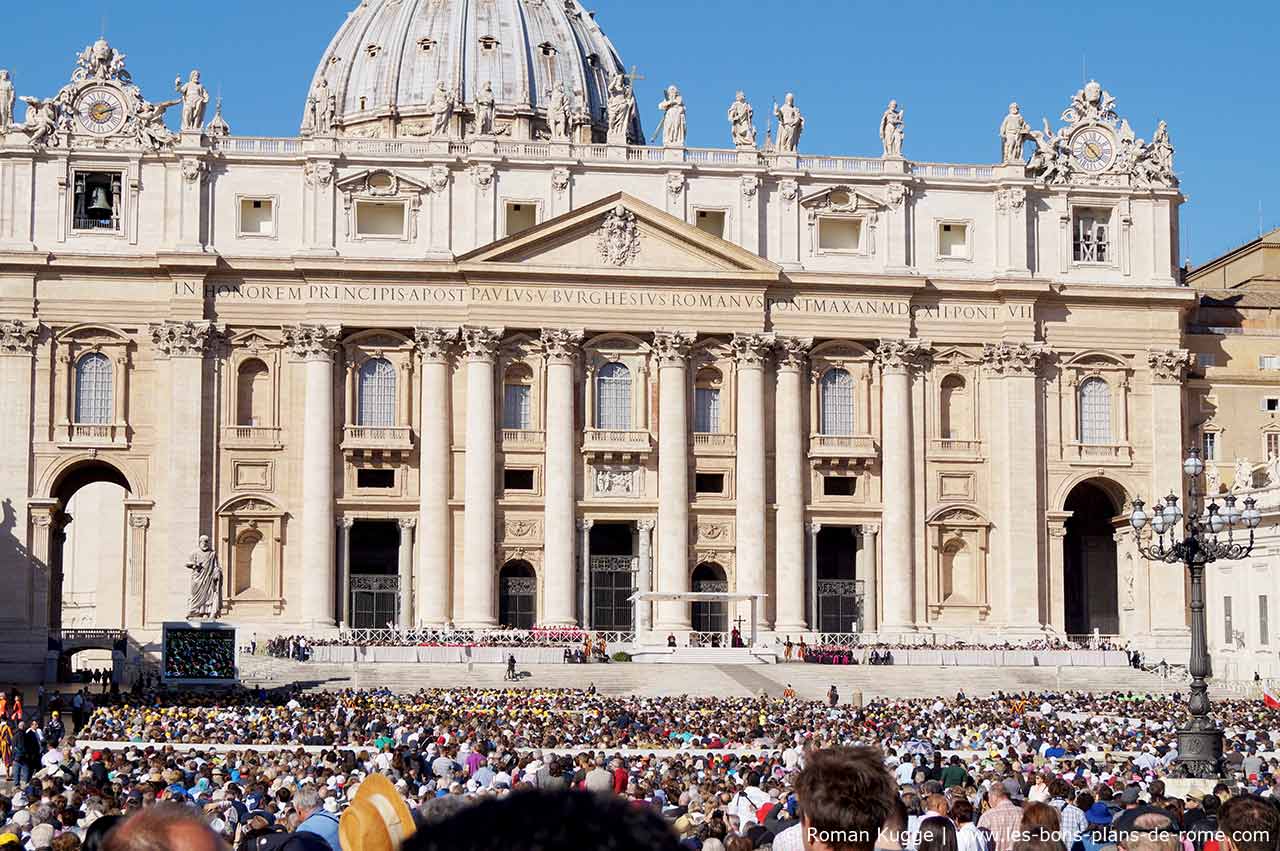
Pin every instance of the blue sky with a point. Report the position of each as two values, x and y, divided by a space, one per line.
1209 69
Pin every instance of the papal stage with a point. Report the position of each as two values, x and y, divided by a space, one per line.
468 352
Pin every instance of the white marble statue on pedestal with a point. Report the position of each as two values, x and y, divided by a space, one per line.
323 107
42 121
195 98
1272 470
442 104
151 130
891 130
558 110
673 118
485 110
205 601
1243 478
742 122
790 124
622 107
7 98
1014 130
1212 479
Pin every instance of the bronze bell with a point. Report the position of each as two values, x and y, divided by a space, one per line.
100 201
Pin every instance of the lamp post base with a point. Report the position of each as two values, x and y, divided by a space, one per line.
1200 749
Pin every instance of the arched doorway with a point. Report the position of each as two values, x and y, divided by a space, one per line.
710 616
87 550
517 595
1090 595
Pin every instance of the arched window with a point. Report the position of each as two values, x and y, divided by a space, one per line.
253 394
954 417
1095 411
836 402
613 397
93 389
377 393
706 401
517 397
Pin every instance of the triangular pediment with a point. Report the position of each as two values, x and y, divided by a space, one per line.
621 234
841 199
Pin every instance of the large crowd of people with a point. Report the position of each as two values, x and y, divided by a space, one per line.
720 772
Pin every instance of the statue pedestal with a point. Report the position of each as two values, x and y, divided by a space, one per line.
1011 171
560 150
893 165
786 160
484 146
438 147
748 155
190 140
617 152
673 154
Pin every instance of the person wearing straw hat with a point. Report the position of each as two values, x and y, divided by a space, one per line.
377 819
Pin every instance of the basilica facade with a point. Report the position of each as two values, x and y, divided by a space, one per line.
467 351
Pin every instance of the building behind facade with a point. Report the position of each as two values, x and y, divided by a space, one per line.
468 352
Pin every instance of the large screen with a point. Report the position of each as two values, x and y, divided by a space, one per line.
204 655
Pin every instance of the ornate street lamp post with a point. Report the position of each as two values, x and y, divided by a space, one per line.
1206 537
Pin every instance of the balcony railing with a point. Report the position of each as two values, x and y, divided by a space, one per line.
714 442
391 438
95 434
521 438
838 446
956 446
614 442
613 564
1100 453
248 435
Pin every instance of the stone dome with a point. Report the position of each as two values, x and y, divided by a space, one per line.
383 66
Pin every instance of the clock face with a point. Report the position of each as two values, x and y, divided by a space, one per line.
101 111
1093 150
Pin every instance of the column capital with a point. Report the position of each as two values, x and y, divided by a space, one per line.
900 355
869 528
751 350
346 522
584 524
19 336
435 344
408 522
645 525
481 344
139 521
1025 359
312 342
189 339
672 347
562 345
1168 366
813 527
791 353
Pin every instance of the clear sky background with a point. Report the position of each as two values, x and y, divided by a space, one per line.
1211 69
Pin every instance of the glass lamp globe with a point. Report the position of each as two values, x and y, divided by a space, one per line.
1193 466
1171 511
1232 511
1138 519
1216 521
1251 516
1157 523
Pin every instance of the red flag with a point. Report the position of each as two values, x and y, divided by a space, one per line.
1270 698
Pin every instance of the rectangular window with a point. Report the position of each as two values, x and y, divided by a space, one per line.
953 241
838 485
1269 362
1271 404
380 219
257 217
839 234
1263 620
710 221
98 201
709 483
521 215
516 411
1229 635
375 478
706 410
1091 235
1209 446
1273 444
517 479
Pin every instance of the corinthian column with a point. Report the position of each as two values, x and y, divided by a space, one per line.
790 355
897 483
561 347
750 351
18 338
671 348
434 480
1168 370
315 345
479 600
183 345
405 570
1016 467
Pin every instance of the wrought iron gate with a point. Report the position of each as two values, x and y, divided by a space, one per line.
613 581
839 605
375 601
